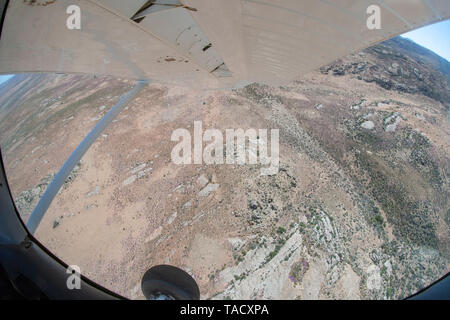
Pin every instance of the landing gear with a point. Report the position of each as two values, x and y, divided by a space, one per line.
166 282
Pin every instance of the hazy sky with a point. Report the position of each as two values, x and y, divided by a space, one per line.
5 77
435 37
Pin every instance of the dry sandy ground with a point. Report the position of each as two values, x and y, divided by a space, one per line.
130 207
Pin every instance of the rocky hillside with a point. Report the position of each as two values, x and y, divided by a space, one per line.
358 209
399 64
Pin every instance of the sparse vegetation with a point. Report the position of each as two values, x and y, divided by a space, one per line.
347 198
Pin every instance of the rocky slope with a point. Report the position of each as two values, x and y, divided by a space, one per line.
358 210
399 64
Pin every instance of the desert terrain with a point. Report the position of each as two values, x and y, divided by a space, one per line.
358 210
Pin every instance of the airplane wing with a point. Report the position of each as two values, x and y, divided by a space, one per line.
200 43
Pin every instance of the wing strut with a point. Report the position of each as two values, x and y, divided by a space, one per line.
77 154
